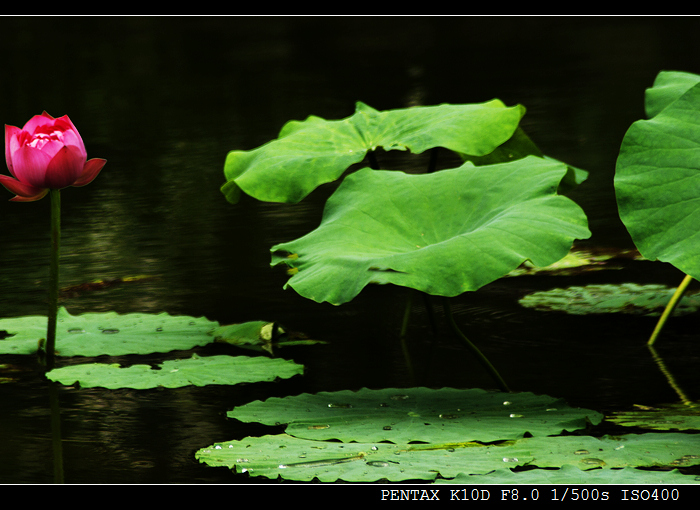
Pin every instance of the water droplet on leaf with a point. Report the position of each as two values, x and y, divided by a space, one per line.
592 462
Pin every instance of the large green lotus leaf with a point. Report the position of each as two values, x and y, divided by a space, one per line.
668 86
520 146
442 233
668 417
303 460
632 450
417 414
197 371
657 184
316 151
95 334
573 475
292 458
626 298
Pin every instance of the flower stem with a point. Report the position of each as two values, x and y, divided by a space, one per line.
53 276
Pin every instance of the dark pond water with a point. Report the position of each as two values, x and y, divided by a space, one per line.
164 100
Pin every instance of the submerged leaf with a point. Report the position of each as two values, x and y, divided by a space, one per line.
76 290
109 333
197 371
443 233
316 151
667 417
627 298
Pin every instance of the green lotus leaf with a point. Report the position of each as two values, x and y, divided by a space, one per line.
443 233
626 298
574 475
196 371
293 458
520 146
297 459
316 151
109 333
446 415
631 450
657 183
668 86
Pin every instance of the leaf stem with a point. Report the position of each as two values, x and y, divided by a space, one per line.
53 277
675 299
473 348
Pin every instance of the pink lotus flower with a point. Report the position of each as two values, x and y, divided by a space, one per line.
45 154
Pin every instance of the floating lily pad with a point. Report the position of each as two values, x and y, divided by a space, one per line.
417 414
443 233
292 458
95 334
303 459
418 442
631 450
574 475
668 417
627 298
196 371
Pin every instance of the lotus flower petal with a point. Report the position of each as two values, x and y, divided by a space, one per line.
47 153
